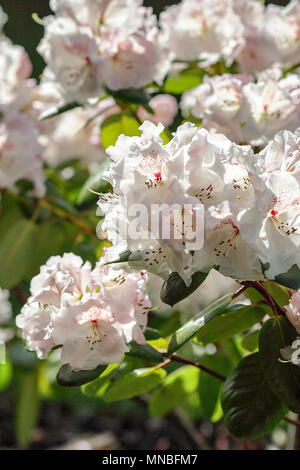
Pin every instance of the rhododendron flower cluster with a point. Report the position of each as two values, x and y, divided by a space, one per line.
91 314
251 208
244 110
19 135
253 35
113 42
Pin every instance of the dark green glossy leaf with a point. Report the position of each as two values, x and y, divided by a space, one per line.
279 293
250 407
131 95
192 327
283 378
174 288
67 377
290 279
151 334
145 352
229 323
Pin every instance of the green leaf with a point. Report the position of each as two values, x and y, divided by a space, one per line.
68 377
192 327
174 288
6 372
96 183
51 237
145 352
16 252
254 296
185 80
283 378
98 387
250 341
117 124
173 390
229 323
279 293
27 407
56 111
290 279
209 386
250 407
151 334
134 383
131 95
9 213
166 136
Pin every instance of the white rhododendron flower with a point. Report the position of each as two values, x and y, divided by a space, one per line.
245 111
71 54
91 314
293 310
20 152
132 60
89 44
15 68
282 154
225 247
219 102
203 31
272 107
282 27
103 15
259 51
271 34
272 226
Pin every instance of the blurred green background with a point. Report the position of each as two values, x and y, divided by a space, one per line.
23 30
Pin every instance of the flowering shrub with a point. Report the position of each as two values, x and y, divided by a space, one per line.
157 155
